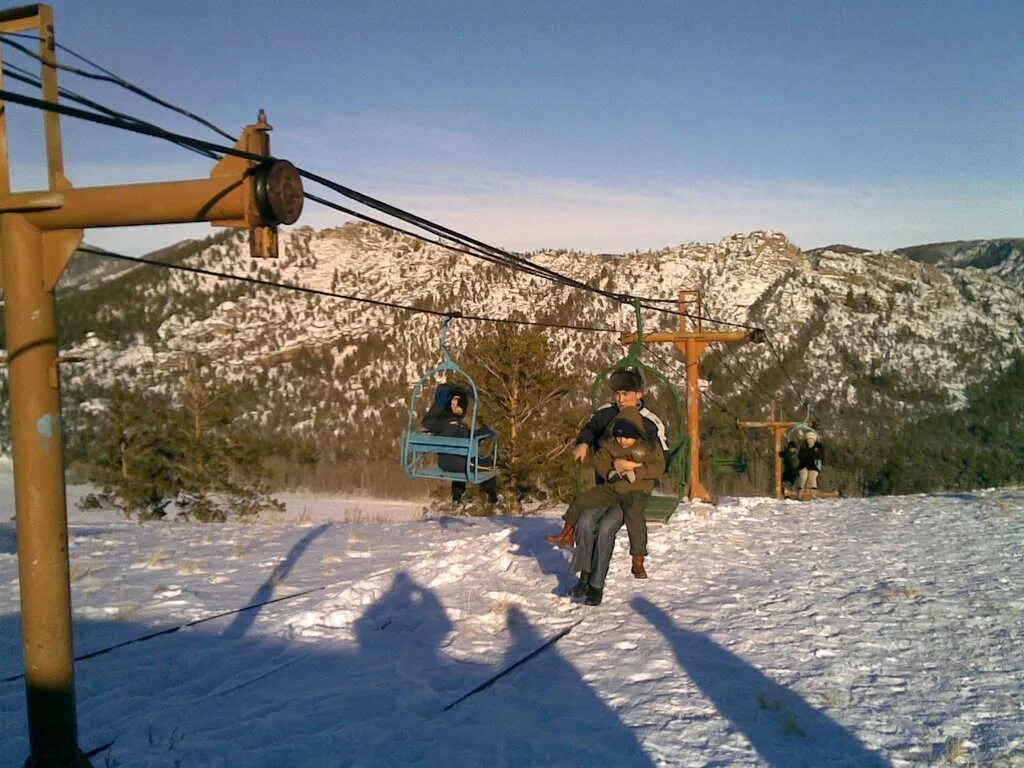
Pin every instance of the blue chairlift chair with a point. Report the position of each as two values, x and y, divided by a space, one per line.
421 448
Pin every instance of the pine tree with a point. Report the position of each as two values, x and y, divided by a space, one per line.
220 469
525 400
132 457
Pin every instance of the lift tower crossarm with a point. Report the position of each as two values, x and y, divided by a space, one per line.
778 428
704 337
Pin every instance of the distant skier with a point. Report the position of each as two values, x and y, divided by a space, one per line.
446 417
810 459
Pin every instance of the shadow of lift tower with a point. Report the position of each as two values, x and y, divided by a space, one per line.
39 232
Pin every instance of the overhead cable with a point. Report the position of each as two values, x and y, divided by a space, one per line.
336 295
800 398
471 245
150 130
107 76
21 75
378 222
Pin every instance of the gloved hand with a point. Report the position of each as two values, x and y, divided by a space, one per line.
817 464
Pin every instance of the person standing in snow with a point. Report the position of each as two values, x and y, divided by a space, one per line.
446 417
628 392
629 465
810 460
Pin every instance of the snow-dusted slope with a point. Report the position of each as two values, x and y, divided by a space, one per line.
1002 258
845 323
855 633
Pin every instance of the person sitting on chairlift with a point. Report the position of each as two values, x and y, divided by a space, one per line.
627 387
790 464
447 417
811 458
630 467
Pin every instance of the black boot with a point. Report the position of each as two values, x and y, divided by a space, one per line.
491 489
594 595
458 489
580 590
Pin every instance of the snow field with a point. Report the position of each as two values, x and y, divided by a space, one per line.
829 633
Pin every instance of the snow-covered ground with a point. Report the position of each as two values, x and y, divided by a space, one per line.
829 633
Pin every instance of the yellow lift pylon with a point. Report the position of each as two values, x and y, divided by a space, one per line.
39 232
691 340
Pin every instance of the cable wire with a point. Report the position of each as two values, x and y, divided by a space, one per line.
471 245
107 76
149 130
378 222
749 377
778 358
15 72
334 295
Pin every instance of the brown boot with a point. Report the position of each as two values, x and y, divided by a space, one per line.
638 567
565 538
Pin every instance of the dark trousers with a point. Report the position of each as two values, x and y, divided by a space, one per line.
602 497
595 542
490 487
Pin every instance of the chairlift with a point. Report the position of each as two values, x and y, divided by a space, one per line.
420 448
659 505
802 427
723 465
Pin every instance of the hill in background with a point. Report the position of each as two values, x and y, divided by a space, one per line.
907 359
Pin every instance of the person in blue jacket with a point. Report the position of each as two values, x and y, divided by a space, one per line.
447 417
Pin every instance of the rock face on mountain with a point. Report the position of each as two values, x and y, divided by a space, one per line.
1003 258
849 331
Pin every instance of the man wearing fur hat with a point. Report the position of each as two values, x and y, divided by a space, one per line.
627 387
810 458
629 465
627 392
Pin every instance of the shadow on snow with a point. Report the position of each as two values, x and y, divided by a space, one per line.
245 619
784 729
528 538
206 696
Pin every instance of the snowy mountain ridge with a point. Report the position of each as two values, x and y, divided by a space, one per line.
847 330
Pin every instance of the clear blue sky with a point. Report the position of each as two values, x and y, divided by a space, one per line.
606 126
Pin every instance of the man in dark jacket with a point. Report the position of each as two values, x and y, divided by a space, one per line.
627 387
811 458
630 468
790 464
446 417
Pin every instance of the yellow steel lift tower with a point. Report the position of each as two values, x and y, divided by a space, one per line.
39 231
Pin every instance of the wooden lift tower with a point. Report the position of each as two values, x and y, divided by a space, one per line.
778 429
691 340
